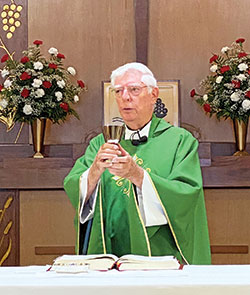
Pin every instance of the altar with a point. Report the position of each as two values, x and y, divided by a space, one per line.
214 279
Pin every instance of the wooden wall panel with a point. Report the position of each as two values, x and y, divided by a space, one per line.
9 228
182 37
46 226
96 37
228 222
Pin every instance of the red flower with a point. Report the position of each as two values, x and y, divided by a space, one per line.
81 83
224 69
1 87
25 76
64 106
38 42
242 54
52 66
192 93
25 93
46 84
247 94
240 40
4 58
60 55
207 108
213 58
236 83
24 59
248 72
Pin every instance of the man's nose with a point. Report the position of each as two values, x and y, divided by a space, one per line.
126 94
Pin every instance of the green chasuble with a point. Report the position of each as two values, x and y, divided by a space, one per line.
171 160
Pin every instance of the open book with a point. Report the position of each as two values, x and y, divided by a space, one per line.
81 263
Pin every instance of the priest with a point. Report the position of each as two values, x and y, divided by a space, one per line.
143 196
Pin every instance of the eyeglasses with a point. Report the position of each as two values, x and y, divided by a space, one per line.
133 90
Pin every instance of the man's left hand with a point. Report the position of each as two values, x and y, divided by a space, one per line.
124 166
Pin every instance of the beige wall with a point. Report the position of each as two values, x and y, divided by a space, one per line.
98 35
183 36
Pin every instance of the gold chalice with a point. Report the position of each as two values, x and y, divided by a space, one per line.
113 133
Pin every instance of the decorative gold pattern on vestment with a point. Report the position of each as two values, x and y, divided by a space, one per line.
10 14
169 223
6 230
127 191
139 161
102 224
78 220
121 181
142 224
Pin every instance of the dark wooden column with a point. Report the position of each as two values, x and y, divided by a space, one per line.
142 30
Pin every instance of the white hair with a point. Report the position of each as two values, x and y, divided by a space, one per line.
147 76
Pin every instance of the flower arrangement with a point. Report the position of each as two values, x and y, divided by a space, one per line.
226 91
36 87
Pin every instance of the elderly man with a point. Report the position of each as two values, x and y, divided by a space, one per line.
143 196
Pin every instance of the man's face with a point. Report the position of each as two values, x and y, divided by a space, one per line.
136 110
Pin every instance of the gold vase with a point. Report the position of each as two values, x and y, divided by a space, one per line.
240 133
38 131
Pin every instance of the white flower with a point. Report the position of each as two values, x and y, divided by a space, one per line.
235 96
58 95
3 103
39 92
214 68
229 85
71 70
61 83
53 51
7 83
27 109
76 98
37 83
242 66
4 73
38 65
241 77
224 49
219 79
205 97
246 104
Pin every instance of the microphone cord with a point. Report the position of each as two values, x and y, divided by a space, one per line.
140 140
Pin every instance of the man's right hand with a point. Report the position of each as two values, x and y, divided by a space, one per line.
103 160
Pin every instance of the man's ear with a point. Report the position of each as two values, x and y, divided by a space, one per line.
155 94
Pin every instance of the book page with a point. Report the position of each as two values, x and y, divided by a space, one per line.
139 258
80 263
136 262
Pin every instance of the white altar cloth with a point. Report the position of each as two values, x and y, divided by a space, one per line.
212 280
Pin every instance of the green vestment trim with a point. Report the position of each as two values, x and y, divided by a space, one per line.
170 158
